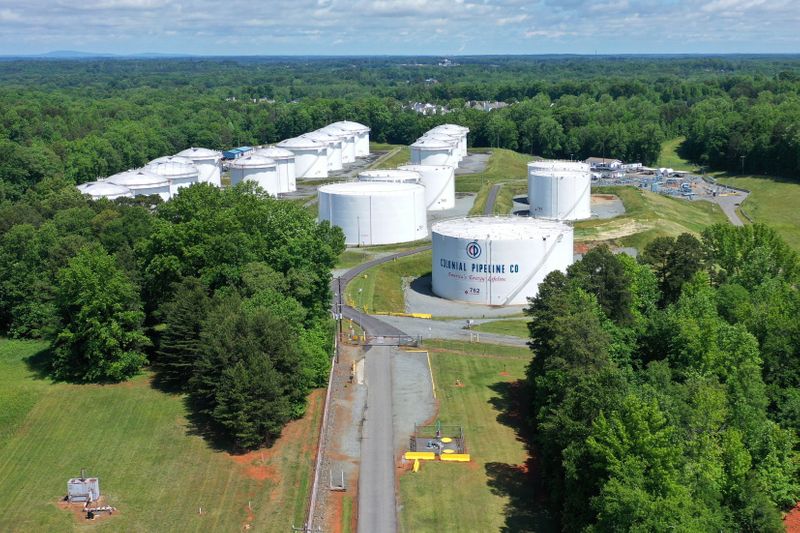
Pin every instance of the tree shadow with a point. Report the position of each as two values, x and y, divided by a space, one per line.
526 510
199 424
40 364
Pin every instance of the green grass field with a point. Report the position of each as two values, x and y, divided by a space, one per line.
515 327
492 493
669 157
381 287
504 166
141 445
772 201
647 216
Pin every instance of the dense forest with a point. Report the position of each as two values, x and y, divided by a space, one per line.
190 286
84 119
664 392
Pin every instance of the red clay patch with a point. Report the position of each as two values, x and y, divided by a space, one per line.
792 520
504 374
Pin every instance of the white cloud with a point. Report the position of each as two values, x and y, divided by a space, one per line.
413 26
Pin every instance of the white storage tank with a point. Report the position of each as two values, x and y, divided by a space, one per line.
284 162
348 139
559 190
372 213
142 182
361 132
310 157
448 138
104 189
390 175
439 183
433 152
180 172
497 260
258 169
333 144
455 129
208 163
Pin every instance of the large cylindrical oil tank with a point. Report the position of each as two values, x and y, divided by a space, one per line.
451 138
455 129
142 182
180 172
104 189
372 213
260 170
334 146
284 162
348 139
497 260
361 132
439 183
433 152
390 175
310 157
208 163
559 190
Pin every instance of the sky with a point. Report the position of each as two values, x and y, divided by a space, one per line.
399 27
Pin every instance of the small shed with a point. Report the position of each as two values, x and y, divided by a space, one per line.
82 489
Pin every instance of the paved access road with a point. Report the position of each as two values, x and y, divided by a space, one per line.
488 209
376 484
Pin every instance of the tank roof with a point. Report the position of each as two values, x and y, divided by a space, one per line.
508 227
351 126
321 136
273 152
452 127
142 177
173 168
103 188
545 164
395 173
423 168
429 143
172 159
369 188
200 153
337 131
253 161
300 143
451 139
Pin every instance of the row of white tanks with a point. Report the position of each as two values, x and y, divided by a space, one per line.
390 206
163 176
327 149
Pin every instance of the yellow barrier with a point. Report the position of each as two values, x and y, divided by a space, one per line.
425 456
460 457
409 315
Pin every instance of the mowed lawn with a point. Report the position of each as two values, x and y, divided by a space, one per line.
380 289
492 493
504 166
515 327
647 216
138 441
772 201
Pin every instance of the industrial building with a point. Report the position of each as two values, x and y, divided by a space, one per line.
208 163
310 157
497 260
104 189
439 183
142 182
559 190
258 169
372 213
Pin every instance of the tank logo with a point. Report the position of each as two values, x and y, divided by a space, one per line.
473 250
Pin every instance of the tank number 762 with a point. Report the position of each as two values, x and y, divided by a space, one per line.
472 290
